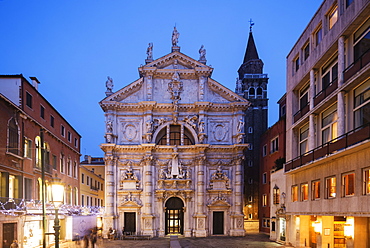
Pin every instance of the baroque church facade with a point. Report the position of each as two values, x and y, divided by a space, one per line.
174 151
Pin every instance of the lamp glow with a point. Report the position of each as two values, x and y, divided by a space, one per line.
57 195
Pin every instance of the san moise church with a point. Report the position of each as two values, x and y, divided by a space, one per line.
174 150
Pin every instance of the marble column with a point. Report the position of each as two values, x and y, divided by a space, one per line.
109 216
200 230
237 228
148 197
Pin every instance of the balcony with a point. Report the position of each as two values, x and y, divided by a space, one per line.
357 65
345 141
301 113
325 92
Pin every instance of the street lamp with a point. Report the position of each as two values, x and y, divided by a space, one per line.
57 195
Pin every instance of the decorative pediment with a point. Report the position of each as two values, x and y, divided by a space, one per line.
130 201
125 91
218 201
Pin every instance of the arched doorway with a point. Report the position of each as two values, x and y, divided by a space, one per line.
174 216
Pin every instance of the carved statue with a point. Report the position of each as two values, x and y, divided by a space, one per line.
149 126
149 51
240 125
191 121
201 126
109 84
175 37
109 126
202 53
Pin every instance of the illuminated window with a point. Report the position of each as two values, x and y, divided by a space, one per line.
333 16
62 169
329 124
276 195
348 184
38 151
27 148
366 174
304 192
331 187
294 193
264 200
316 190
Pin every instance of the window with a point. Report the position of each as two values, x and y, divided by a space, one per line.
38 151
264 200
62 130
362 105
69 136
250 180
316 190
42 112
252 92
76 143
304 96
306 51
28 99
366 180
75 169
264 178
13 137
27 148
54 162
250 198
362 40
87 200
82 200
348 3
250 163
296 64
83 178
348 184
87 180
264 150
51 121
274 145
276 195
331 187
62 164
171 135
303 139
329 124
318 35
69 169
329 73
250 130
28 189
333 16
294 193
304 192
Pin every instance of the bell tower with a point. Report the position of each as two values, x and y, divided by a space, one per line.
252 85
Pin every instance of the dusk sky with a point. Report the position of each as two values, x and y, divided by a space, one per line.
71 46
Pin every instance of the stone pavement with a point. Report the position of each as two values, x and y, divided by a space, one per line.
254 240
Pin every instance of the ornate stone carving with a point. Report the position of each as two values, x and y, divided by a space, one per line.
219 179
129 200
175 36
175 87
219 198
130 131
129 178
191 120
109 86
219 132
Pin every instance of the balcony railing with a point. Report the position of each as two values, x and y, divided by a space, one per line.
347 140
325 92
301 112
353 68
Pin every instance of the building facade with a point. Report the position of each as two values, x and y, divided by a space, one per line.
328 138
92 182
33 137
272 158
174 151
252 85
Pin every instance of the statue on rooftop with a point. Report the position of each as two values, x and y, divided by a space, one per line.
175 36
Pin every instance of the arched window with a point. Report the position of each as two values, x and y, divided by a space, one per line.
171 135
252 92
259 92
13 137
38 151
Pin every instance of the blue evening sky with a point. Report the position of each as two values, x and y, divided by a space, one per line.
71 46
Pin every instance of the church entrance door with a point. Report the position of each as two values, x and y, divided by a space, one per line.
130 223
218 222
174 216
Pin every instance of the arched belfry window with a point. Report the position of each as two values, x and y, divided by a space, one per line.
174 135
252 92
259 92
